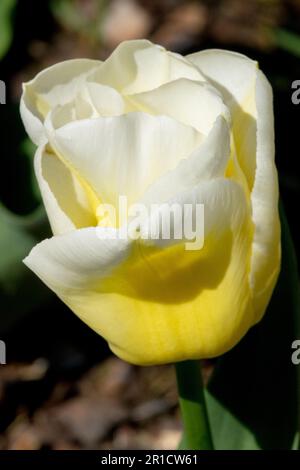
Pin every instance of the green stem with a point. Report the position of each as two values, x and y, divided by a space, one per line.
196 434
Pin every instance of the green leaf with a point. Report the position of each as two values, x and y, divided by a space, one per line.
253 394
286 40
78 19
6 27
20 289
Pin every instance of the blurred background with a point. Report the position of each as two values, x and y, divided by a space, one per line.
61 388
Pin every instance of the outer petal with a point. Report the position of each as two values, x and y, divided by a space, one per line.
53 86
64 198
137 66
76 262
149 311
249 95
266 245
235 76
124 154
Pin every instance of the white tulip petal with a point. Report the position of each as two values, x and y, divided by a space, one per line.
75 110
64 198
230 72
54 86
193 103
106 100
137 66
234 75
224 205
249 96
123 155
93 100
33 124
78 260
207 162
264 198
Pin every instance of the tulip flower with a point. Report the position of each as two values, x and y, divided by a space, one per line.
157 127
